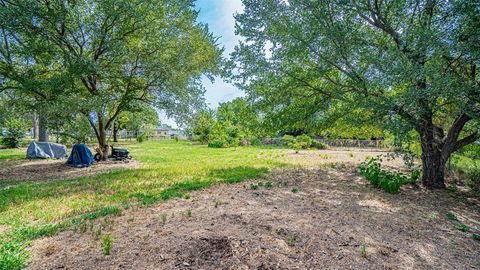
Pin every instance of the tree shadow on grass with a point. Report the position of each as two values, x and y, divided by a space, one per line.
121 187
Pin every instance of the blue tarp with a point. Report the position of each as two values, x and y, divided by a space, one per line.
46 150
80 156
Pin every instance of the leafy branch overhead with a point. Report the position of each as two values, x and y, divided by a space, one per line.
104 56
408 64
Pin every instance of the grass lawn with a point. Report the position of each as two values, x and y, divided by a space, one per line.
30 210
11 154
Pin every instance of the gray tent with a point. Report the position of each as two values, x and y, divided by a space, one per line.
46 150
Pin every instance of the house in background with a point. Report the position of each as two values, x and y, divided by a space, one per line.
168 133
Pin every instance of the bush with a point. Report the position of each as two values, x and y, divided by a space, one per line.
218 143
297 146
304 140
143 137
288 139
388 181
318 145
255 141
14 134
474 180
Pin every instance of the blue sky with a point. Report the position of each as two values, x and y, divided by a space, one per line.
218 14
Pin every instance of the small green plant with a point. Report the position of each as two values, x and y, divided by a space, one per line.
363 251
291 239
98 231
350 154
295 190
107 244
476 236
217 202
388 181
269 184
254 186
189 212
163 218
463 228
452 216
453 187
260 184
82 227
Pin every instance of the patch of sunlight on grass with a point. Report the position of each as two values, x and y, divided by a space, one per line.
169 169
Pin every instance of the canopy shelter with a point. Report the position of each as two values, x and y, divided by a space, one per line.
81 156
46 150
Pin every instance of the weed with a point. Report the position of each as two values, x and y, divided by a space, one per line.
350 154
295 190
189 212
476 236
217 202
163 218
363 251
260 184
453 187
283 184
452 216
254 186
290 238
269 184
83 226
388 181
107 244
463 228
98 231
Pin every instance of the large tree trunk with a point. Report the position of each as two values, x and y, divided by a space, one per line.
102 137
115 131
35 125
43 130
433 169
433 160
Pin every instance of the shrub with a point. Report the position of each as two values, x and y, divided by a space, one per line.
255 141
474 179
218 143
297 146
143 137
318 145
387 180
304 140
14 134
106 244
288 139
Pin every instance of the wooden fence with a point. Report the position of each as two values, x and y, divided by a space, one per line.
352 143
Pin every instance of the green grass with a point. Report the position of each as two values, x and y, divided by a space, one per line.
169 169
11 154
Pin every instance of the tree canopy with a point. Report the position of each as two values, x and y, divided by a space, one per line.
408 64
101 56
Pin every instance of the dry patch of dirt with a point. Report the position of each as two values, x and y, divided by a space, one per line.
335 221
338 156
46 169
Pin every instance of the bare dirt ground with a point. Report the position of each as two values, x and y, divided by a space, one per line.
339 156
46 169
335 221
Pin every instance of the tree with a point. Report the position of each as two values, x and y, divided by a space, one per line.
413 63
110 53
240 114
201 125
142 117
